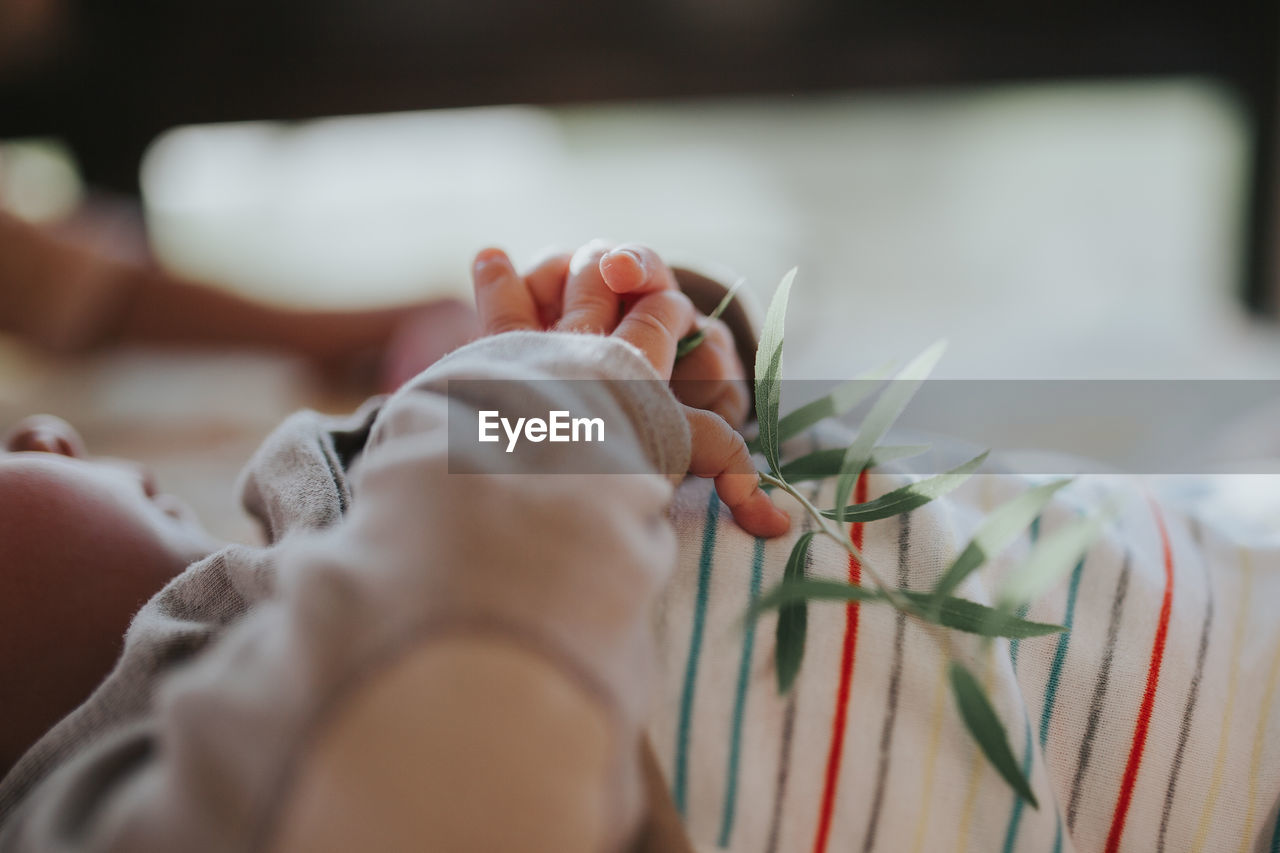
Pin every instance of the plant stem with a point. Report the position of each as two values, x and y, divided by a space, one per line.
891 594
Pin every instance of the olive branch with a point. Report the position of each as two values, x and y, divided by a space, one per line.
938 609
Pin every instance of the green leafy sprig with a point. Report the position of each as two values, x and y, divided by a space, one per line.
938 608
694 339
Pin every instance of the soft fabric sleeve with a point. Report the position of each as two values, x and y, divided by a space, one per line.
539 578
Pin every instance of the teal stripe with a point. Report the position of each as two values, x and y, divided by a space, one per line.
1014 644
1275 837
1050 698
1022 611
740 701
1055 675
680 786
1060 654
1011 833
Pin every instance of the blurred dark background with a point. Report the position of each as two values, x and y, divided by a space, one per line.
108 77
1068 188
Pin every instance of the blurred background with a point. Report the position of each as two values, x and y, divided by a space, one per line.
1077 189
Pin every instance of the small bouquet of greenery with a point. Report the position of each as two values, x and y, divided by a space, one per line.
1050 558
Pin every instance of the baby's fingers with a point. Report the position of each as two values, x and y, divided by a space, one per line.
503 300
546 282
655 325
711 377
635 269
590 306
599 275
720 452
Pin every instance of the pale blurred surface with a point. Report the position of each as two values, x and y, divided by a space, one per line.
1047 231
1070 231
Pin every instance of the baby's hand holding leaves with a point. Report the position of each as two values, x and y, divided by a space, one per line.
587 289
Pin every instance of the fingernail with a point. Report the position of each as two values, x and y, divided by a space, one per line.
489 265
622 264
625 256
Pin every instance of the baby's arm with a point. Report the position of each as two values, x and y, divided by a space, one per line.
463 660
516 726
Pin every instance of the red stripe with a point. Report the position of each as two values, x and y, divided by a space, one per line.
1148 696
846 680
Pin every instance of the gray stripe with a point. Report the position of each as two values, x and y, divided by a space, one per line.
1185 728
895 680
784 767
1099 693
789 718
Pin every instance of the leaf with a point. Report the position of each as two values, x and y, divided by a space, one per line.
995 533
844 398
788 592
909 497
958 613
884 412
725 301
826 463
769 370
1052 557
793 618
693 340
981 720
974 618
690 342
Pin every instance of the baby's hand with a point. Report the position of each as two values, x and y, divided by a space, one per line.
591 290
628 292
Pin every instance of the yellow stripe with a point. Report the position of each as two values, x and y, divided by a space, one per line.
978 764
931 757
1255 764
940 688
1219 762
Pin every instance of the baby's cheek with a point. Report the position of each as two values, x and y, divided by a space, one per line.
66 601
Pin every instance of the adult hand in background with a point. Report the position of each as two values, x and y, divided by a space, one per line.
69 295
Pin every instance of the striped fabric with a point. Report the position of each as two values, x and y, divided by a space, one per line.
1151 724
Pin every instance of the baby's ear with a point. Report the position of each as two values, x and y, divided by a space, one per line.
742 317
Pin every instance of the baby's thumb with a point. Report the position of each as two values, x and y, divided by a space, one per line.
719 452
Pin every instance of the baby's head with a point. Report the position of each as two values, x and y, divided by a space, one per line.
84 542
